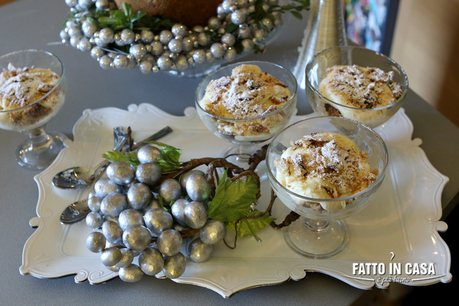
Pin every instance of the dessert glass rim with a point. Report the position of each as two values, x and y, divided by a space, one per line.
293 92
50 91
405 84
380 176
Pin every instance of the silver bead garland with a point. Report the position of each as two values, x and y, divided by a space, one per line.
179 48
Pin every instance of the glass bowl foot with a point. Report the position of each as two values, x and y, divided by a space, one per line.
317 239
39 156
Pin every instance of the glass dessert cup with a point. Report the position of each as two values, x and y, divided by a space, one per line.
321 233
235 130
40 149
352 55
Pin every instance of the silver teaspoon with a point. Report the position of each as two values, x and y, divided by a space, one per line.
75 212
81 177
78 210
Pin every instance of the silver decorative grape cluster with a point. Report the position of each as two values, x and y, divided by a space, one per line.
126 214
177 49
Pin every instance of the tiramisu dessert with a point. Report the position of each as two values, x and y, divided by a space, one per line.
247 93
325 166
359 89
20 87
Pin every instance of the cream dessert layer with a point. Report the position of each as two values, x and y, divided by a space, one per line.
360 89
21 87
325 166
247 93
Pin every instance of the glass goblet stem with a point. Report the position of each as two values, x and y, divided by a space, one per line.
40 149
316 225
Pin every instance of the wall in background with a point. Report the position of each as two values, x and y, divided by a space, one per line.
426 45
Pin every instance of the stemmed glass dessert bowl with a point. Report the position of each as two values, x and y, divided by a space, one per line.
246 134
370 113
321 232
33 87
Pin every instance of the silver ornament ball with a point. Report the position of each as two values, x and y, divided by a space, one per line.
174 266
158 220
139 195
110 256
113 204
121 173
136 237
151 261
130 274
95 242
199 251
112 232
169 242
130 217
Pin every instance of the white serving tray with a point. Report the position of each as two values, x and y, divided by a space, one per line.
401 222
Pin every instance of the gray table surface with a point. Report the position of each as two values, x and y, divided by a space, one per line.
26 24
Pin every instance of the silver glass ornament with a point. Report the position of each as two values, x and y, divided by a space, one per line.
244 31
179 29
94 220
197 188
146 36
175 45
75 40
228 39
230 54
221 11
195 215
71 3
65 37
186 175
258 35
164 62
104 186
238 17
187 43
113 204
112 232
106 35
165 36
136 237
229 5
203 39
148 154
217 50
110 256
127 37
102 4
139 195
127 256
170 190
247 45
181 63
174 266
94 203
209 57
158 220
88 28
121 173
75 31
214 23
169 242
97 52
151 261
178 211
199 56
130 274
138 51
268 23
95 242
148 173
105 62
153 204
85 3
199 251
242 3
145 66
130 217
113 268
121 61
213 232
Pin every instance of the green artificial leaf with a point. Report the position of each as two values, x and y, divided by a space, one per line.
114 156
248 227
230 27
232 200
297 15
170 156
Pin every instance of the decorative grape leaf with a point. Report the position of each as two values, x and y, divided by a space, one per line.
114 156
247 227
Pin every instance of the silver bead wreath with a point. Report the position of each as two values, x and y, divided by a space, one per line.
177 49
